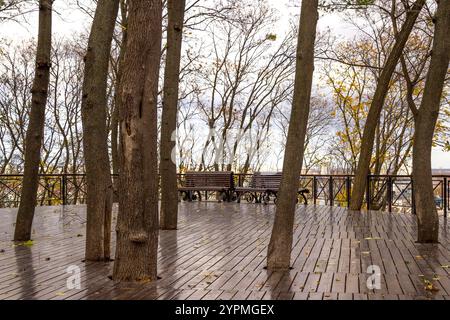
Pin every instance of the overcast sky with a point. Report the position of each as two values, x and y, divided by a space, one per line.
68 21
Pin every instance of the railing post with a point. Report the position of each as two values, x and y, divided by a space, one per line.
331 191
368 192
445 197
315 189
389 192
348 187
64 191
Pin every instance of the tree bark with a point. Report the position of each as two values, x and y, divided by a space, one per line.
118 101
168 169
362 170
279 250
95 133
425 123
35 131
137 225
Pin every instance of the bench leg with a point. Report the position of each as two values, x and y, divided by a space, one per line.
260 198
305 201
265 197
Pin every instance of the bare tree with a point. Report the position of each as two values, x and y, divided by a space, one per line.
168 167
94 105
280 245
376 106
35 129
117 99
425 122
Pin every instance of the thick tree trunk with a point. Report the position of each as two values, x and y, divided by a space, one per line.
35 131
95 133
168 169
279 250
425 123
137 225
362 170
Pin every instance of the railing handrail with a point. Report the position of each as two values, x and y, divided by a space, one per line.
239 174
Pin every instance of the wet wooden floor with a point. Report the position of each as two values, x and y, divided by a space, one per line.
219 252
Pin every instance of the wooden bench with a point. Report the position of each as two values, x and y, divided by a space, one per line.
263 186
215 181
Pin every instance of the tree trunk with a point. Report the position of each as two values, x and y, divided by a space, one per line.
115 145
35 131
425 123
95 133
362 170
118 101
137 225
168 170
279 251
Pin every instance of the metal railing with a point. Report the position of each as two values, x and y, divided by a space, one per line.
393 193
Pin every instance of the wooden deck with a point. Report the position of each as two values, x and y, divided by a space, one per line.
219 252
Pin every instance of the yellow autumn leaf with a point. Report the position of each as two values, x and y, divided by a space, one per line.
28 243
429 286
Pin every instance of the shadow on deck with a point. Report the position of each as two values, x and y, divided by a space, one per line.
219 252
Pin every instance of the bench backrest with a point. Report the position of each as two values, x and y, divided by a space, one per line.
209 179
266 180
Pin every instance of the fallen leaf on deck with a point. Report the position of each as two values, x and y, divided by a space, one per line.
372 238
365 252
419 257
60 294
28 243
446 266
430 286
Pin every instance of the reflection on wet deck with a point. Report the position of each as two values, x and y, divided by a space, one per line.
219 253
